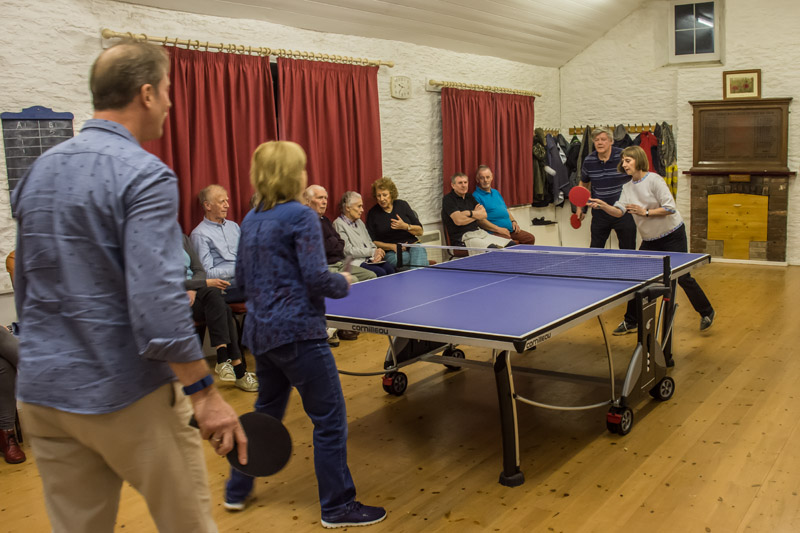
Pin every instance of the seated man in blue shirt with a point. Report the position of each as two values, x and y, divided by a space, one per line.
216 240
498 219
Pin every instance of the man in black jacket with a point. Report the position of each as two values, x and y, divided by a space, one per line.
316 197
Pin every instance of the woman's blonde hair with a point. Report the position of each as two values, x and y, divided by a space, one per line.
276 172
639 157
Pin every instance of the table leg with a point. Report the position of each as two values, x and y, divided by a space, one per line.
667 322
511 476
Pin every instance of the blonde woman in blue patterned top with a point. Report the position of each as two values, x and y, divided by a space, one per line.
282 269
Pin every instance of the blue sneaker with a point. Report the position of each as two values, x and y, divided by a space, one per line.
357 514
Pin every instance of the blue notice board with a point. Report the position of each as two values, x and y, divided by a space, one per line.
30 133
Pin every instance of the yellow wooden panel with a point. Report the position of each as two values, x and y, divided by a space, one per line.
736 249
736 219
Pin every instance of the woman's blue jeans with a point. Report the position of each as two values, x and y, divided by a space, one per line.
310 367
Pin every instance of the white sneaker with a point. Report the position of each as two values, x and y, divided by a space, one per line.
237 506
248 382
225 371
234 506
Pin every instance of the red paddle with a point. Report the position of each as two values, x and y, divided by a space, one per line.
575 220
269 445
578 196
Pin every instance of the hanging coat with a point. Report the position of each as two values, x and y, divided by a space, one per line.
541 192
587 146
560 182
564 145
621 137
647 141
669 158
658 166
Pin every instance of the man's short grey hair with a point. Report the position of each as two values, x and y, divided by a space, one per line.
205 194
311 192
348 199
607 131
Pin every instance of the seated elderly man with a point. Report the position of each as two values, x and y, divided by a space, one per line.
357 242
498 219
316 197
208 305
462 215
9 360
216 240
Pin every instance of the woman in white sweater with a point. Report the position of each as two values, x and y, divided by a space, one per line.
648 199
357 242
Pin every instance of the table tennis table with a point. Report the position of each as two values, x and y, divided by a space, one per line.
513 300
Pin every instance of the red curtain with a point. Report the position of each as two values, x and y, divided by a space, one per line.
222 109
331 110
482 128
468 133
513 174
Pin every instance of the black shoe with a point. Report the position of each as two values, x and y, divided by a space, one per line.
347 335
707 321
624 328
357 514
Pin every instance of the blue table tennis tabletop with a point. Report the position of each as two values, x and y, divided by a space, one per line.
501 311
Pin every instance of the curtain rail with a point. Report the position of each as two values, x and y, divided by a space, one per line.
241 49
487 88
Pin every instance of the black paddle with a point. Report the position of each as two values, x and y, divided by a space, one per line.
269 445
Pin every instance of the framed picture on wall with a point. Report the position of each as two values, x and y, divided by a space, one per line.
741 84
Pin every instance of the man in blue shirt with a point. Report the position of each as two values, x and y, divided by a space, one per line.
216 240
104 321
499 220
601 176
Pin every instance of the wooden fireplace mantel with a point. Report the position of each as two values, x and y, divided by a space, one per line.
700 172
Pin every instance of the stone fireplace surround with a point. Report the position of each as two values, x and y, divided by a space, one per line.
774 185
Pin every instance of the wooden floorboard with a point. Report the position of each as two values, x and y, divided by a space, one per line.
720 456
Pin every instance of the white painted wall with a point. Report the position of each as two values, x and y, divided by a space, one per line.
622 78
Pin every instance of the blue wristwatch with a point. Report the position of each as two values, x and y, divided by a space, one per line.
197 386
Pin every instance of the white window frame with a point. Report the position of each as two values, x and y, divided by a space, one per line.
717 55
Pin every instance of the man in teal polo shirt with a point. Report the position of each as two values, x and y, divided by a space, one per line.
498 220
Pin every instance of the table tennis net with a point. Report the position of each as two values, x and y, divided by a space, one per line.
586 265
